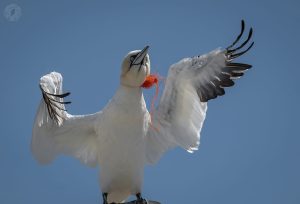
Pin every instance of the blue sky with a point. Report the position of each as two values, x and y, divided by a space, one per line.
249 150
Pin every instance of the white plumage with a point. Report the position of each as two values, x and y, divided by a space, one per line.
120 138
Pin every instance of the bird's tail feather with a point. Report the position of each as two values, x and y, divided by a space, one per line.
118 197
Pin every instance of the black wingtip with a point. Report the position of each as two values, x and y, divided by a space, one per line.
59 95
233 51
239 36
230 51
52 103
239 66
232 56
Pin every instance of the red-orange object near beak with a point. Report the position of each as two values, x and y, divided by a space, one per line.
152 79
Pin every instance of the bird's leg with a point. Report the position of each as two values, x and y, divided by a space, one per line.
104 196
139 199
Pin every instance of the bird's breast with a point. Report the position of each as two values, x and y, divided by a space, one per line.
122 146
123 130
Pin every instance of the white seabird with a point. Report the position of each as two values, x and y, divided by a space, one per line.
123 138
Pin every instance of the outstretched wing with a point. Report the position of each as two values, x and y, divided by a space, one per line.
190 83
57 132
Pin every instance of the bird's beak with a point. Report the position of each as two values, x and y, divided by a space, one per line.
141 56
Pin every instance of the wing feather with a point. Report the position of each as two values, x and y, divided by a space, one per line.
57 132
189 85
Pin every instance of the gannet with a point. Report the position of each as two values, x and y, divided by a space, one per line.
124 137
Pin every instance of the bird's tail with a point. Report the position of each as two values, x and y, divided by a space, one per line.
118 197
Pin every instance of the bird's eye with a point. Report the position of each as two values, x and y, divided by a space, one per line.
132 58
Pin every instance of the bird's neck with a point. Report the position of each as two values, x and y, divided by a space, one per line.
129 95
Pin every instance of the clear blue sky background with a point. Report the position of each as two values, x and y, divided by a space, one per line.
249 149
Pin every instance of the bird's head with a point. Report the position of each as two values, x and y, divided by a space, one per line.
135 68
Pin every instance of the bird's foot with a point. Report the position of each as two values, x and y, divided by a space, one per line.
140 200
104 196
